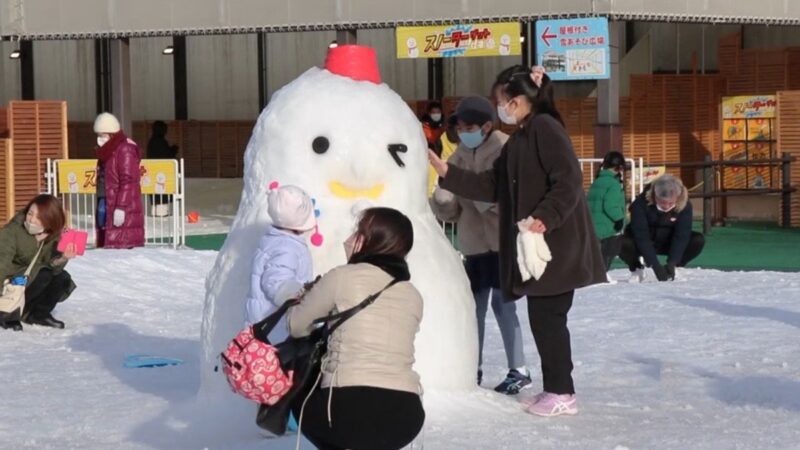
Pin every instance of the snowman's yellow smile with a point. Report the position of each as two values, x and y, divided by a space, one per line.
340 190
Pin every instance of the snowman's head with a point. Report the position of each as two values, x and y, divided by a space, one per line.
344 141
411 43
72 178
161 178
505 39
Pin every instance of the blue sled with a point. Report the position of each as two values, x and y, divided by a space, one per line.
138 361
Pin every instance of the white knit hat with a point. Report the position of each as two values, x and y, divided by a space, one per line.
291 208
106 123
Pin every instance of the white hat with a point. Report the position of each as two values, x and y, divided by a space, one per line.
106 123
291 208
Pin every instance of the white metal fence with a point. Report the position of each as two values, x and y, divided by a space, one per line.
164 209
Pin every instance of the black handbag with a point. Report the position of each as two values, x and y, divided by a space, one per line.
304 357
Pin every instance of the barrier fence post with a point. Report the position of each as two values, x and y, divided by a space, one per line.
786 184
708 185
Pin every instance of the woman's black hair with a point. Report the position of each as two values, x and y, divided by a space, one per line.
433 104
516 81
614 160
385 231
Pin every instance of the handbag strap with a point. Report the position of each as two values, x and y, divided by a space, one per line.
343 316
33 261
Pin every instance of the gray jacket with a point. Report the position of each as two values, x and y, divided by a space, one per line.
477 221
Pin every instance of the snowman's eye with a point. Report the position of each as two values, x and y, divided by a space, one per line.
320 145
394 149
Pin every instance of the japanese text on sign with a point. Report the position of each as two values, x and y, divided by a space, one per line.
481 39
576 49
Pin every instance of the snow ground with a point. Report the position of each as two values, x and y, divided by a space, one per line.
216 200
710 361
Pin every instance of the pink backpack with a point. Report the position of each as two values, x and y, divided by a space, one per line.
252 366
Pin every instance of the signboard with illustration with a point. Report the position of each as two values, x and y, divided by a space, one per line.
748 124
574 49
448 41
79 176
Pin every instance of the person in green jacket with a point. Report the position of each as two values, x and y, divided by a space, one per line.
607 205
38 225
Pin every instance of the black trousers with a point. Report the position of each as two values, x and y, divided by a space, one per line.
548 318
610 248
630 254
45 291
363 418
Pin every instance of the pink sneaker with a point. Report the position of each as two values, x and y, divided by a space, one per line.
551 405
530 401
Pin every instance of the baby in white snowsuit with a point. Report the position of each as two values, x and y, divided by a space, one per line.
282 264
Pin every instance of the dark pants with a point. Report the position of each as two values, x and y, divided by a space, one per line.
45 291
630 254
610 248
363 418
548 318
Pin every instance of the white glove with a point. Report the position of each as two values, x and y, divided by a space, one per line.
533 254
443 196
288 290
119 217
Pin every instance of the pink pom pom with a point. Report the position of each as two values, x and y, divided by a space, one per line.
316 239
274 185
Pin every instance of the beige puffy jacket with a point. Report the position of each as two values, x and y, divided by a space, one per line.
376 346
477 221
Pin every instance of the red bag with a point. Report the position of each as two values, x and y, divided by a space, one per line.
253 369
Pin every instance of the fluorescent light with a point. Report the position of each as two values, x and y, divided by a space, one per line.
168 51
16 54
333 44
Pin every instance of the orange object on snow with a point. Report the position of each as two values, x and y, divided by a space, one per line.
193 217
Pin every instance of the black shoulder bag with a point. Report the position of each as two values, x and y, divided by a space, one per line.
303 356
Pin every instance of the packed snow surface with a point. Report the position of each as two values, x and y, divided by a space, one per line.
709 361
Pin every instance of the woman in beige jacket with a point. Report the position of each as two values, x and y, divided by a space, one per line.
369 395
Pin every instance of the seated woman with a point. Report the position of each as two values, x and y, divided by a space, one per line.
369 395
32 235
661 224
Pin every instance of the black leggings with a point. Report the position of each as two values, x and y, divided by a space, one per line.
610 248
363 418
45 291
548 318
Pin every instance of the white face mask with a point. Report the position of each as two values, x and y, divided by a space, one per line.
665 210
33 228
504 116
350 246
101 140
436 117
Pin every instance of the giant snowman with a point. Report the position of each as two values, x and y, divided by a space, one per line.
350 142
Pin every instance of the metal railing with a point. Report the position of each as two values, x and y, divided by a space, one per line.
711 168
164 213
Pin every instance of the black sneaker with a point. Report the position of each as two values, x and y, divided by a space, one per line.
514 382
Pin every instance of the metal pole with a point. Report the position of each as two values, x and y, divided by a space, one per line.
708 185
787 195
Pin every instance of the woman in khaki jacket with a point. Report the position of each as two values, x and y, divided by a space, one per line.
369 393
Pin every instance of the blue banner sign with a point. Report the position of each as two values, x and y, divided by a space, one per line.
574 49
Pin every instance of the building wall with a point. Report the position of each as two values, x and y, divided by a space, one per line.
152 85
65 70
9 74
222 77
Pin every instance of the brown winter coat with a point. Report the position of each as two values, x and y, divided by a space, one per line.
538 175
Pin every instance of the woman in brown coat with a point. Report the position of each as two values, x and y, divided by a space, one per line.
538 175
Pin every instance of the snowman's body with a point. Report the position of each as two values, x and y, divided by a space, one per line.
331 136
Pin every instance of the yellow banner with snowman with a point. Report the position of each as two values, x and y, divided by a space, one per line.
79 176
451 41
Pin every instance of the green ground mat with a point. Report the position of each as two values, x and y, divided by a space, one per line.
737 246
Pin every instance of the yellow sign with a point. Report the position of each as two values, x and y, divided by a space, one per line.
79 176
650 173
448 41
749 107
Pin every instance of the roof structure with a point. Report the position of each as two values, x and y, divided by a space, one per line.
81 19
